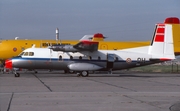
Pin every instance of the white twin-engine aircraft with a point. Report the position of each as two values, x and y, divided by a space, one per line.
85 56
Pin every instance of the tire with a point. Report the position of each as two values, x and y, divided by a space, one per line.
85 73
17 75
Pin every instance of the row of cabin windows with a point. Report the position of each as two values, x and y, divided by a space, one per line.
80 57
60 57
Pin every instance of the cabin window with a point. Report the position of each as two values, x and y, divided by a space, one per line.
26 54
99 58
60 57
80 57
71 57
31 53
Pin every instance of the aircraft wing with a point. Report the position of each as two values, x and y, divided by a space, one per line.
81 46
87 43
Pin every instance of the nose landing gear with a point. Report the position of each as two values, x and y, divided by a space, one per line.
16 75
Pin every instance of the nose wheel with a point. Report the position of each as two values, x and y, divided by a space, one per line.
16 74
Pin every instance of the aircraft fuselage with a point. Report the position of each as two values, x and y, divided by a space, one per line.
99 60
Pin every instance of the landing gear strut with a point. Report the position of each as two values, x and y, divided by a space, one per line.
16 74
110 71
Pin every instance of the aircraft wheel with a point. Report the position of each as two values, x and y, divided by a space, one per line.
17 75
85 73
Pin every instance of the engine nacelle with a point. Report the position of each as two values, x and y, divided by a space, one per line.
83 67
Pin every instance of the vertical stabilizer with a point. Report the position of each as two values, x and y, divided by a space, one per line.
162 42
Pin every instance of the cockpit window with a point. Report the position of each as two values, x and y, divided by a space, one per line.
21 53
26 54
31 53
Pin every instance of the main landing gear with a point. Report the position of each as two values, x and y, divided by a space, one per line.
82 73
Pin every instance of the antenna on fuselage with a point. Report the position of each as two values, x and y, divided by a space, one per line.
34 45
16 38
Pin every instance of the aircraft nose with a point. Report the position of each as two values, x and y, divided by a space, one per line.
8 64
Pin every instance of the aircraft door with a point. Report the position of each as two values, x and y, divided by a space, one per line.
60 55
110 61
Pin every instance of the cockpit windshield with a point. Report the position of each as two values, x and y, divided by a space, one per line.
26 54
21 54
31 53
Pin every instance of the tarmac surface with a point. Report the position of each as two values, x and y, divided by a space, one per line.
55 91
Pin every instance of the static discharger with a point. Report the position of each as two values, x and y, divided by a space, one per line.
57 35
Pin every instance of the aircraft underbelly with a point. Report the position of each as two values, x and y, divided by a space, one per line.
59 65
43 64
50 64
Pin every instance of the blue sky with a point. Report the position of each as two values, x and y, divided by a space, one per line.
122 20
